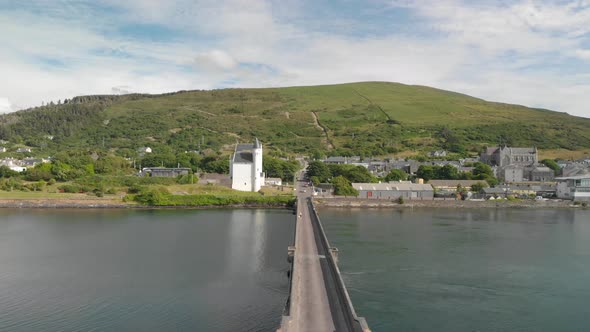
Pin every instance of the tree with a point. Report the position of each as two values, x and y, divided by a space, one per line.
396 175
481 171
211 164
315 180
278 168
320 170
317 155
357 174
448 172
478 187
343 187
6 172
41 171
551 164
484 172
425 172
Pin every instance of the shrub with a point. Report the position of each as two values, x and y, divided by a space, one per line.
400 200
72 188
135 189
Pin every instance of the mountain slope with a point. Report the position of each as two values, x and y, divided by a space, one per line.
368 118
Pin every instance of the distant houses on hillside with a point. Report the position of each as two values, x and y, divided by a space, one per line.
20 165
517 168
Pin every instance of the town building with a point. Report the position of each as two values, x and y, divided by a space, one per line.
450 186
576 188
542 174
324 189
32 162
144 149
408 166
273 182
438 153
23 150
520 173
246 167
503 156
165 172
214 178
496 192
342 160
394 190
2 149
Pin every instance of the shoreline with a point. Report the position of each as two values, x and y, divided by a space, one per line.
114 204
447 204
320 202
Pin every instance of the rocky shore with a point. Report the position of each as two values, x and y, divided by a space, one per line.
111 204
93 203
63 203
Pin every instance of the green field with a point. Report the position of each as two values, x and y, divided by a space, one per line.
370 118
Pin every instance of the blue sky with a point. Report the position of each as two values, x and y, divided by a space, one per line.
535 53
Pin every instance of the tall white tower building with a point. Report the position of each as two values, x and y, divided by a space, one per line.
246 167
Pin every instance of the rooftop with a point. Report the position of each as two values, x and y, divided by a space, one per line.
243 157
454 183
392 186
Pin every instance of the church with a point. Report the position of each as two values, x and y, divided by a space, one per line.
246 167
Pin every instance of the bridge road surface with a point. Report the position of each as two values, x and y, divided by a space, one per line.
310 307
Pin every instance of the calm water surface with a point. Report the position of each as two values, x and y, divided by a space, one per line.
162 270
465 270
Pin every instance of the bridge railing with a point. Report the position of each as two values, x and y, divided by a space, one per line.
354 322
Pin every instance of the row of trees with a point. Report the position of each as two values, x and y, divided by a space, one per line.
70 165
480 171
340 176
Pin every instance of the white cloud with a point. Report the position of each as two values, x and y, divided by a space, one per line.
490 50
5 105
215 60
583 54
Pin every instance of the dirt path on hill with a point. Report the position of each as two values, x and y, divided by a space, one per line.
317 123
372 103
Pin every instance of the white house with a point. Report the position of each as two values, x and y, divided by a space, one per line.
273 182
23 150
144 149
2 149
246 167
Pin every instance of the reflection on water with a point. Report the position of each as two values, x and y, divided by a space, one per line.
465 270
154 270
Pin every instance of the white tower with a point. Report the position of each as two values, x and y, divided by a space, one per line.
257 175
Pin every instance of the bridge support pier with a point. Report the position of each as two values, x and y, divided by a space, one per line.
290 254
334 252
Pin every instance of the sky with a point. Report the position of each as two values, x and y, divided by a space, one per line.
533 53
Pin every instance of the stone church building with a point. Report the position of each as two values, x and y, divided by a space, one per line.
503 156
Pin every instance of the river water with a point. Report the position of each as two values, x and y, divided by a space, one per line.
155 270
225 270
465 270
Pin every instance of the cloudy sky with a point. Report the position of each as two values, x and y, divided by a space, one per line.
535 53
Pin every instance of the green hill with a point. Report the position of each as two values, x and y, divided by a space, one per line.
369 118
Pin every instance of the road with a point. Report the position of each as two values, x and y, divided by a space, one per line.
310 307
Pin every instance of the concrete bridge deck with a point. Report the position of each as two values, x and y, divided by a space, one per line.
318 299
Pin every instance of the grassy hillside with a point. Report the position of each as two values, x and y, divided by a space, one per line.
370 118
